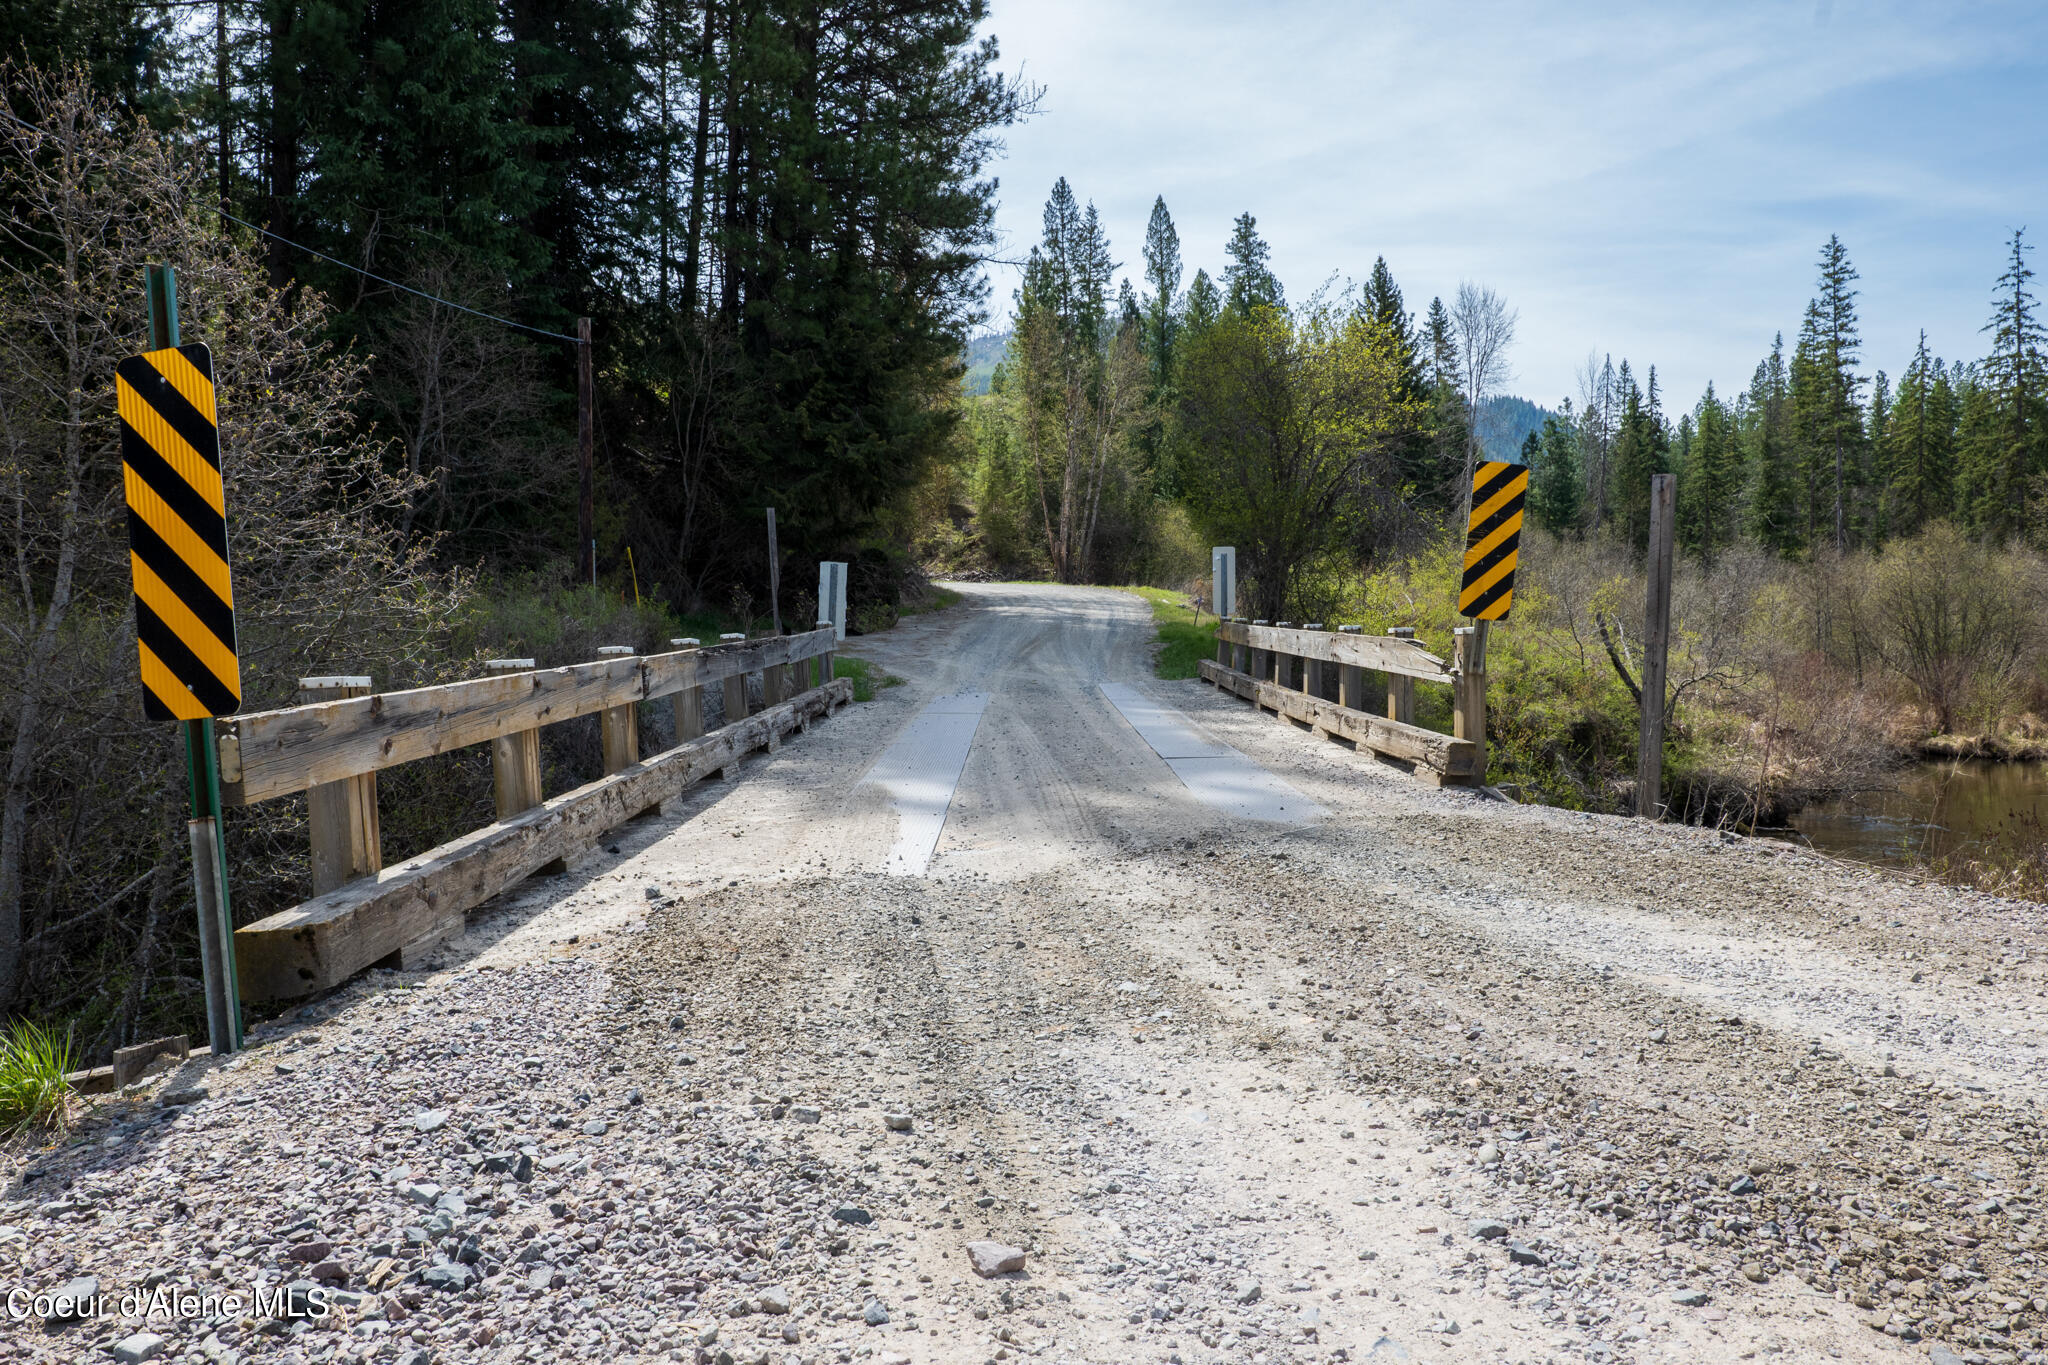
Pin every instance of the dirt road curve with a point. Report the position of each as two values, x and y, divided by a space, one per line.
1425 1077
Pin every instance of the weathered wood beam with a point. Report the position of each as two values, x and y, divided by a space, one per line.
408 909
274 753
1452 758
1387 655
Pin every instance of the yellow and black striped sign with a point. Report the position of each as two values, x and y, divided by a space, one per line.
1493 541
178 534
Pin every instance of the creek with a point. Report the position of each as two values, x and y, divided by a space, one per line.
1951 809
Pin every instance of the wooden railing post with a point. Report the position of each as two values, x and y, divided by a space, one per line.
1260 666
735 688
1285 665
1468 698
1351 677
774 681
515 758
1240 654
1400 690
619 726
342 815
689 702
825 664
1312 669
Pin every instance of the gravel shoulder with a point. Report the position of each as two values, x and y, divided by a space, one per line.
1438 1078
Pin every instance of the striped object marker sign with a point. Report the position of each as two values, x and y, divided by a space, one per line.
178 534
1493 540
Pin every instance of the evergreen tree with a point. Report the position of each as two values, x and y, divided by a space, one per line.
2016 381
1710 479
1381 305
1916 450
1839 430
1557 488
1435 491
1204 305
1776 510
1248 281
1162 294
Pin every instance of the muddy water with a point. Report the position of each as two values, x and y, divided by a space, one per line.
1958 810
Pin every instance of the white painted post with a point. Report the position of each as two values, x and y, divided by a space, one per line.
832 597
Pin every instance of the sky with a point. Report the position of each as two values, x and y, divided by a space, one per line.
1649 181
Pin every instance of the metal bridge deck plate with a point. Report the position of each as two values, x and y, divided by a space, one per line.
1216 774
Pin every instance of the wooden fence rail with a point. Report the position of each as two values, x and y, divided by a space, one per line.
1317 679
363 913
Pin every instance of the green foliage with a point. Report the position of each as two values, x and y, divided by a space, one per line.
867 678
1249 283
34 1091
1557 487
1184 641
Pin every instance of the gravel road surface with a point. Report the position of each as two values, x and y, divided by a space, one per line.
1408 1075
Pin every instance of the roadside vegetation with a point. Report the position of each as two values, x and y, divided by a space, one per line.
34 1092
1186 636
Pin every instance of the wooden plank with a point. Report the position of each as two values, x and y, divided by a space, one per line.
409 907
515 758
735 684
618 727
1401 691
1388 655
273 753
1445 754
341 816
688 702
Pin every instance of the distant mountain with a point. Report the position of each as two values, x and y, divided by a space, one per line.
981 356
1505 422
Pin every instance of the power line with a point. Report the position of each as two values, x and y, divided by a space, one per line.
300 246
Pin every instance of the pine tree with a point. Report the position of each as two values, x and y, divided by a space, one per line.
1557 487
1162 295
1916 451
1840 428
1204 305
1248 281
1435 491
1776 509
1386 318
1710 477
2016 381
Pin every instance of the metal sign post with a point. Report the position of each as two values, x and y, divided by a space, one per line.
1223 584
832 596
184 601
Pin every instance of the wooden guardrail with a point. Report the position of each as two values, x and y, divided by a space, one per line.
331 747
1317 679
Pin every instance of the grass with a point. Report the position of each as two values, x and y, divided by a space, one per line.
867 678
33 1090
1183 643
935 599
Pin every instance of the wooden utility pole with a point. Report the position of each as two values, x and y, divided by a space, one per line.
1657 646
774 575
586 461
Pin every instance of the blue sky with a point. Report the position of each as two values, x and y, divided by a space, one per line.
1651 181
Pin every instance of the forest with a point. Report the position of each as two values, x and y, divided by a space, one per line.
388 220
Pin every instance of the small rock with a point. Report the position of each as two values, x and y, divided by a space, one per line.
806 1113
423 1193
141 1346
311 1251
449 1278
1742 1184
75 1299
330 1272
874 1314
652 893
1689 1298
1247 1292
993 1258
1758 1167
1522 1254
1753 1271
596 1128
852 1215
1487 1229
1488 1155
184 1094
775 1299
431 1119
1939 1354
1660 1035
896 1123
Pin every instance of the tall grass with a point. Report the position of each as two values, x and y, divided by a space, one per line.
34 1093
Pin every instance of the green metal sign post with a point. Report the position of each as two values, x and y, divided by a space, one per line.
208 841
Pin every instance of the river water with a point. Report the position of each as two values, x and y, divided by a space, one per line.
1952 809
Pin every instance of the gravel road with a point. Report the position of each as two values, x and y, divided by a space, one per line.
1430 1077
